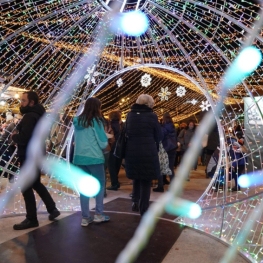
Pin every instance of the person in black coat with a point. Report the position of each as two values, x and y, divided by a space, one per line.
114 163
141 154
32 111
212 143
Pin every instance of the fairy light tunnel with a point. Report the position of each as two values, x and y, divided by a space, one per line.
186 48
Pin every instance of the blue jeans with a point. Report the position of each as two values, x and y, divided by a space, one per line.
97 171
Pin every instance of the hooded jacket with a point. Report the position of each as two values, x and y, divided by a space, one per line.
26 127
89 143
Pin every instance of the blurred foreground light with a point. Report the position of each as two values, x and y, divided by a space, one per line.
134 23
73 177
243 181
88 186
251 179
181 207
245 63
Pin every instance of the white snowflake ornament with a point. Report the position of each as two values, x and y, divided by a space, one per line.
193 101
119 82
205 105
146 80
164 94
91 73
180 91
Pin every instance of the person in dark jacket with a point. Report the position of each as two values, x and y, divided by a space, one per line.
114 163
141 153
184 139
32 112
237 158
168 131
7 146
212 144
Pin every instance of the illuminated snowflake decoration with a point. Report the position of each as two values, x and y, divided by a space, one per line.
193 101
119 82
205 105
91 75
146 80
164 93
180 91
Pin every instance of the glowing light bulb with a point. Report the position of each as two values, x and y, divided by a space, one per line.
247 180
243 181
246 62
88 185
195 211
134 23
183 207
16 95
73 177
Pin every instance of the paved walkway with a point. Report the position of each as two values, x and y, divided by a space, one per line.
191 246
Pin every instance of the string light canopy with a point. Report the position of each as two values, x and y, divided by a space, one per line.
42 43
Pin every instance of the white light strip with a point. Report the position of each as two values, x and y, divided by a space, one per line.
138 3
123 4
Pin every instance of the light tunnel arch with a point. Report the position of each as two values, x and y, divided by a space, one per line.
174 70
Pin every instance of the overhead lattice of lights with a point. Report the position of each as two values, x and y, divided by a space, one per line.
41 44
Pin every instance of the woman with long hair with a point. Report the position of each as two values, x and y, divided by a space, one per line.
168 131
90 141
185 139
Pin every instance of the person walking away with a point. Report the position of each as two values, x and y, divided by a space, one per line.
169 130
90 141
169 141
32 111
184 139
110 135
212 143
141 153
179 151
115 162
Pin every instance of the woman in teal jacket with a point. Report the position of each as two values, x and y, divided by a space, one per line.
90 141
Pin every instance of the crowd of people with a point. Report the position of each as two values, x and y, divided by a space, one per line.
95 139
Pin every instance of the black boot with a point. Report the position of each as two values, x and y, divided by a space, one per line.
158 189
26 224
55 213
112 188
165 181
135 207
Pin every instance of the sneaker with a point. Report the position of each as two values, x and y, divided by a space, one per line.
26 224
86 221
55 213
101 218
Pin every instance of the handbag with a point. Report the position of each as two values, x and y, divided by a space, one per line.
164 161
170 142
119 150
